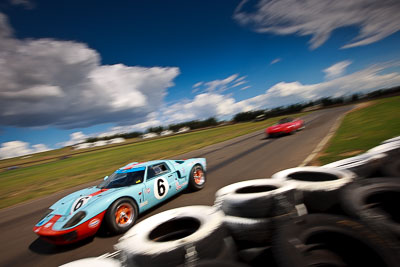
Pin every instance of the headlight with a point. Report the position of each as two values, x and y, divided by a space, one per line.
75 219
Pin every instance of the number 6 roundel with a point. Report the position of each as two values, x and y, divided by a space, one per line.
161 187
79 203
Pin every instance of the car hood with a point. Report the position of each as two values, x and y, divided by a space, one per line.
68 205
283 125
92 200
278 127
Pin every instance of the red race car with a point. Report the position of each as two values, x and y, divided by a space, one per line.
284 126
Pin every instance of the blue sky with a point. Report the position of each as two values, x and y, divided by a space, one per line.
74 69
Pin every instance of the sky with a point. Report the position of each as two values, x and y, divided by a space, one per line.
74 69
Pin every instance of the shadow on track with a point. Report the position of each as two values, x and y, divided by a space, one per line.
42 247
240 155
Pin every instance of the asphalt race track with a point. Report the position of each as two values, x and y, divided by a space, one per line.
246 157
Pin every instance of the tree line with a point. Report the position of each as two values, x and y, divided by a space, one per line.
252 115
322 102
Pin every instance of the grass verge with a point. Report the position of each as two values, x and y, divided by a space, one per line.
363 129
45 178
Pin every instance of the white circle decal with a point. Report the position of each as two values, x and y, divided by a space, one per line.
161 187
79 203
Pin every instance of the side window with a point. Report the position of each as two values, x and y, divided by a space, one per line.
155 170
138 177
150 173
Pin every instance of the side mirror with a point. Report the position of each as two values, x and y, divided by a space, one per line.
105 178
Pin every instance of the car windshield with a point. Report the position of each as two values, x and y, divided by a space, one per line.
285 120
122 178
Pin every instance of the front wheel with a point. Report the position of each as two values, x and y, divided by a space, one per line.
121 215
197 179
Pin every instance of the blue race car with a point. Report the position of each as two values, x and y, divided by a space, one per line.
119 199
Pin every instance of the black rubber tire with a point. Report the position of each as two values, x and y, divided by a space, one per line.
375 202
320 186
363 165
394 139
391 168
247 231
193 186
229 250
100 262
109 217
219 263
164 238
259 198
327 240
392 149
257 256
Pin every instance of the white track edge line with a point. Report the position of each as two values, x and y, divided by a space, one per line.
324 141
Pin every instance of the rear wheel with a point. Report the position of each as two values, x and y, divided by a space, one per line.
121 215
197 179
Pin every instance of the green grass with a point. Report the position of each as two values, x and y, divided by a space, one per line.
45 177
363 129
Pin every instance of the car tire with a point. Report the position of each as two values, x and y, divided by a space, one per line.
249 232
363 165
98 262
229 250
219 263
257 198
197 178
328 240
121 215
257 256
375 202
167 238
391 168
392 149
319 186
394 139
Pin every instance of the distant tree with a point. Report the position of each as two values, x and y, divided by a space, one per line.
130 135
247 116
157 130
327 101
354 97
197 124
92 139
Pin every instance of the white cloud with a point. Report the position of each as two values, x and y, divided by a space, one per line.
220 85
19 148
239 83
75 138
336 70
25 3
241 78
376 19
46 82
201 107
212 104
246 87
197 84
151 121
366 80
283 93
40 148
276 60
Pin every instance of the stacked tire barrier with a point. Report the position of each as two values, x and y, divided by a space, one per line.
345 213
